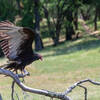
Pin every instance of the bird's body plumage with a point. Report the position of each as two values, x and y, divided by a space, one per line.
16 43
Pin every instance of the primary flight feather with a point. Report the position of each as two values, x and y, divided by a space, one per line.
16 43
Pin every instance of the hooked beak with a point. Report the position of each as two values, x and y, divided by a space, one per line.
41 58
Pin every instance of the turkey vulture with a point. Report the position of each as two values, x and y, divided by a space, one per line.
16 43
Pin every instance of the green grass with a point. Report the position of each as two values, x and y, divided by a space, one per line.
62 66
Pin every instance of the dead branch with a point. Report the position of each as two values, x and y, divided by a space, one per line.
85 92
12 93
79 83
62 95
32 90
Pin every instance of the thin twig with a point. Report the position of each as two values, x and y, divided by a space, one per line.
78 83
12 93
85 92
17 95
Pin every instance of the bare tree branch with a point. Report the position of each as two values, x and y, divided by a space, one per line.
60 95
17 95
32 90
12 93
85 92
78 83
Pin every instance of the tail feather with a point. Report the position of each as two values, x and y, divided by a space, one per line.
10 66
4 66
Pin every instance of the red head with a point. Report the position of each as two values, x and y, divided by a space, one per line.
37 57
40 57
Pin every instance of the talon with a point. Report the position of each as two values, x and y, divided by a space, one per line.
26 72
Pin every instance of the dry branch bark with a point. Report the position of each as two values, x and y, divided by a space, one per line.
12 94
62 95
85 92
32 90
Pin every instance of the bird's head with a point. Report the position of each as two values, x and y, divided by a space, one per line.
37 57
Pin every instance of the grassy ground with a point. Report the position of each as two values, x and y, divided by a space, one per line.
62 66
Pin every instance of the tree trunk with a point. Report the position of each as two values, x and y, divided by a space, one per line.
95 18
98 13
76 19
38 40
19 7
69 32
58 28
59 22
69 26
51 32
86 14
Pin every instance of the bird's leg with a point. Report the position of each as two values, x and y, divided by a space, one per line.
26 72
23 77
16 71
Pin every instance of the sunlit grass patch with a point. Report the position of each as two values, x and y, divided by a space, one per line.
62 66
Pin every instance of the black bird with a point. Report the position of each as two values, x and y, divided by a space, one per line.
16 43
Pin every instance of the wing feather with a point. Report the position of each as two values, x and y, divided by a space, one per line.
15 40
5 47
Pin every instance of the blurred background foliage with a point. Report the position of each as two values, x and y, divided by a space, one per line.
50 18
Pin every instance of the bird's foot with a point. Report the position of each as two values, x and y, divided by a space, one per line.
25 73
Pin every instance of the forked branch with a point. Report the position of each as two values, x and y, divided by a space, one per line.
62 95
32 90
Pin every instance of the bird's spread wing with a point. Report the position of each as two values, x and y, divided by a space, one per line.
15 41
